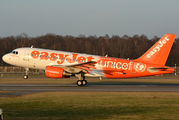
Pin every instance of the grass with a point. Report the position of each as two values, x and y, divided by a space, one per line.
92 106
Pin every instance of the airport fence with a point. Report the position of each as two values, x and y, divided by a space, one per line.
19 71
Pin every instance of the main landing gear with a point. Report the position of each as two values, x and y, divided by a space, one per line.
81 81
26 73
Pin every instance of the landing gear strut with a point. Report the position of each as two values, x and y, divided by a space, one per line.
81 81
26 73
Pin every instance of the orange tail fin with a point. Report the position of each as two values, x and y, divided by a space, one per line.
159 52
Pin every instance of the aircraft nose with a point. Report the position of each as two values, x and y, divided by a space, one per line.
5 58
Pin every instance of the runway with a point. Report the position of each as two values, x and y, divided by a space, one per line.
23 89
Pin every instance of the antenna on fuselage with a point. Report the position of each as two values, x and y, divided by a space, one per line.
106 55
32 46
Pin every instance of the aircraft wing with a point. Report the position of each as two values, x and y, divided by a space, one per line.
76 68
87 67
110 72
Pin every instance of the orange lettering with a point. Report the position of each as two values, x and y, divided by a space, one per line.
44 55
53 56
74 56
35 54
81 59
62 58
90 58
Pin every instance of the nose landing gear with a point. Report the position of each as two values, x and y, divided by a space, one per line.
25 76
26 73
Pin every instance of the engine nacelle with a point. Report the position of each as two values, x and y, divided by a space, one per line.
56 72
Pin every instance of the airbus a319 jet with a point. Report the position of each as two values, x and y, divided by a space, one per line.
62 64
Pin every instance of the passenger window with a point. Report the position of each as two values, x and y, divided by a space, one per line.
16 52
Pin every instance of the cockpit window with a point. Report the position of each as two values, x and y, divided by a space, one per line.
14 52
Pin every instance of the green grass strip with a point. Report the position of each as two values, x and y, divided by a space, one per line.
92 106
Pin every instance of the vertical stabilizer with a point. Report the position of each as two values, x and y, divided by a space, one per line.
159 52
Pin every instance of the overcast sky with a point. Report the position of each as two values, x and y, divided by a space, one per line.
89 17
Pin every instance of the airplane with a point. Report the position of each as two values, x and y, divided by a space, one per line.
63 64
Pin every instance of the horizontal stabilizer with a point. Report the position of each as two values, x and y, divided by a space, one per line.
159 68
155 69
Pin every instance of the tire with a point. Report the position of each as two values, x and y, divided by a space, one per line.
84 82
79 83
25 76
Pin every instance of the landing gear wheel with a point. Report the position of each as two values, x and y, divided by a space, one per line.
84 82
26 73
79 83
25 76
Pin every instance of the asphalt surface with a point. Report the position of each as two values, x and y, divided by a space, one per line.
23 89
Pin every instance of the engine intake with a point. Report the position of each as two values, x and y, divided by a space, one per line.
56 72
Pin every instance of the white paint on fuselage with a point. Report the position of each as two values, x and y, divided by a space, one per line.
24 60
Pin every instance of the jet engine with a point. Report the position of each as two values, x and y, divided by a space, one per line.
56 72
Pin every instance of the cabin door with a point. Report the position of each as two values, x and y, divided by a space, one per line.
26 55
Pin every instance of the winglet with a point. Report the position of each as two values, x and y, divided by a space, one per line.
159 52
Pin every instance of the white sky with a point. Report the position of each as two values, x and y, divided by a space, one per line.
89 17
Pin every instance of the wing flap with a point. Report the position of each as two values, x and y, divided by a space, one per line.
75 68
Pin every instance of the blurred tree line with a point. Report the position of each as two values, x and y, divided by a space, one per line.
115 46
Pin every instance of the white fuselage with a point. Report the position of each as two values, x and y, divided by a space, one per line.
24 58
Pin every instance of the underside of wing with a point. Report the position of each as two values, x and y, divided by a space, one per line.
110 72
88 68
76 68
